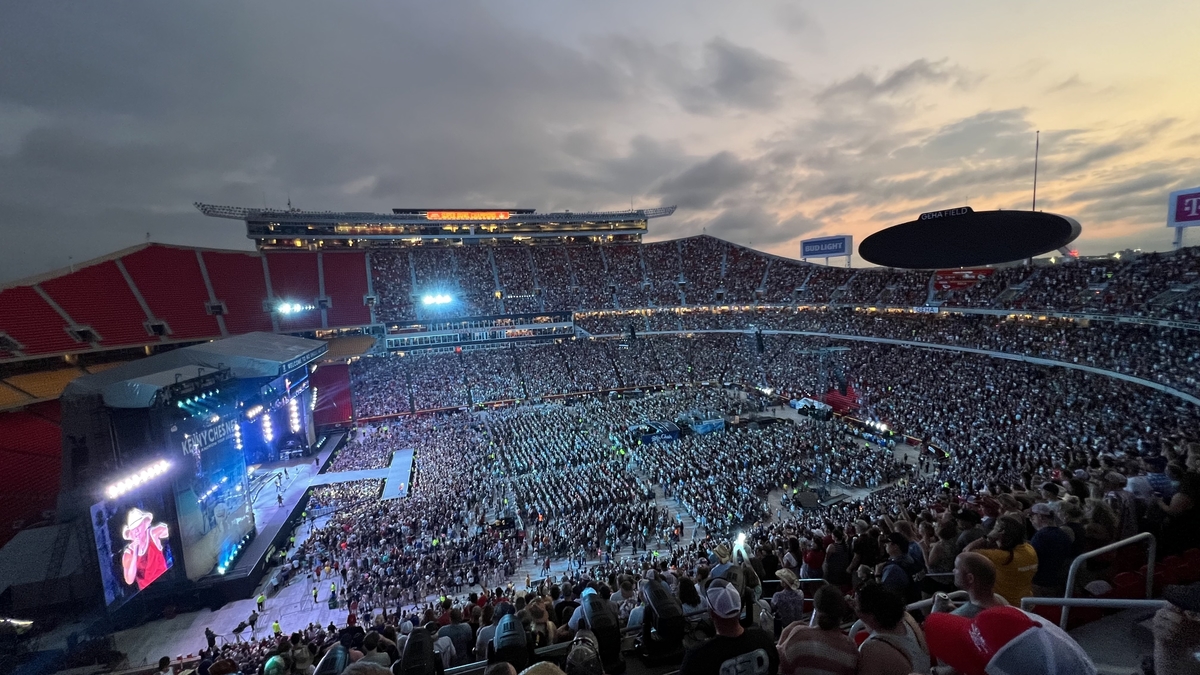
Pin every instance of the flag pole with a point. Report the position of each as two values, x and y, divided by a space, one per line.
1037 145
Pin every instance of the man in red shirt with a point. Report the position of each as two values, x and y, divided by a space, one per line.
143 561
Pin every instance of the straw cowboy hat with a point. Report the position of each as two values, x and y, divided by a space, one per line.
788 578
135 519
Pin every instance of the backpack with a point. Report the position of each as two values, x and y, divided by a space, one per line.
625 607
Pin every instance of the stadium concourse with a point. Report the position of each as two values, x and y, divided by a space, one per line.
1051 410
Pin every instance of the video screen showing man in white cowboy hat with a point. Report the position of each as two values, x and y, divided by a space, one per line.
143 559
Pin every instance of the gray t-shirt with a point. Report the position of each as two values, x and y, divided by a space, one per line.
460 635
481 641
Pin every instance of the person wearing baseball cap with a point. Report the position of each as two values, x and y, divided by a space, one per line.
1052 544
744 649
1004 641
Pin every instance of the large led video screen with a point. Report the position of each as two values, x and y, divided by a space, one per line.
133 546
211 494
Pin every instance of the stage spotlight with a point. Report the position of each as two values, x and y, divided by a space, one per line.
135 479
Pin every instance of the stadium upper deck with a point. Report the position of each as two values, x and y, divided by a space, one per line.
293 228
154 294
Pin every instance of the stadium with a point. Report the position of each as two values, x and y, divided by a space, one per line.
445 416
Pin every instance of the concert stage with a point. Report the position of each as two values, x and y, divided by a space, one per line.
274 522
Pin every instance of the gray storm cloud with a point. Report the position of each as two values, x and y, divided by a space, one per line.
115 117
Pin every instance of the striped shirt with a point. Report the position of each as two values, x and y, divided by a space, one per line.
812 651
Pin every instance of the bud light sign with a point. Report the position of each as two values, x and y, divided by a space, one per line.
1183 208
826 247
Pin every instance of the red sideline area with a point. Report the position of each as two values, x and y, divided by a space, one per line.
31 454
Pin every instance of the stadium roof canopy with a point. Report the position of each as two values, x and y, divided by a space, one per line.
253 355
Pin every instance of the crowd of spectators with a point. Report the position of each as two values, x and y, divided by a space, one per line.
428 381
703 263
626 274
1022 467
594 287
744 273
723 479
372 445
664 272
1025 466
632 276
784 278
392 279
1164 355
338 495
552 269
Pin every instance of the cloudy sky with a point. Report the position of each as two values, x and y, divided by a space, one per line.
765 122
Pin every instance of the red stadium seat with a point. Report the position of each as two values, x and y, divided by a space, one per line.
1192 555
1163 576
345 276
295 278
99 297
172 284
1189 573
1129 558
1129 585
238 282
1053 614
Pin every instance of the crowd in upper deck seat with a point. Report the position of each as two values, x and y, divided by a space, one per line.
704 271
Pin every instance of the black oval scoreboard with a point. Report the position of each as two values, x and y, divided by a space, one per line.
963 237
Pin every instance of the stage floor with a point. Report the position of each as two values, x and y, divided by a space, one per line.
274 503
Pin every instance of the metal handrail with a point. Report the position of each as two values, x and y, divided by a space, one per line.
1103 603
1082 557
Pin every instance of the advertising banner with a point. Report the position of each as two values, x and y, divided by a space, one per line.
957 280
1183 208
827 247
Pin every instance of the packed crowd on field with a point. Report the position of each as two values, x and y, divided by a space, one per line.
1019 466
704 270
344 494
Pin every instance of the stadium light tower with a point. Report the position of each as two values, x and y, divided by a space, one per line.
293 308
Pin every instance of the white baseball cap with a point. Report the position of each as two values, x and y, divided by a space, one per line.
724 600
